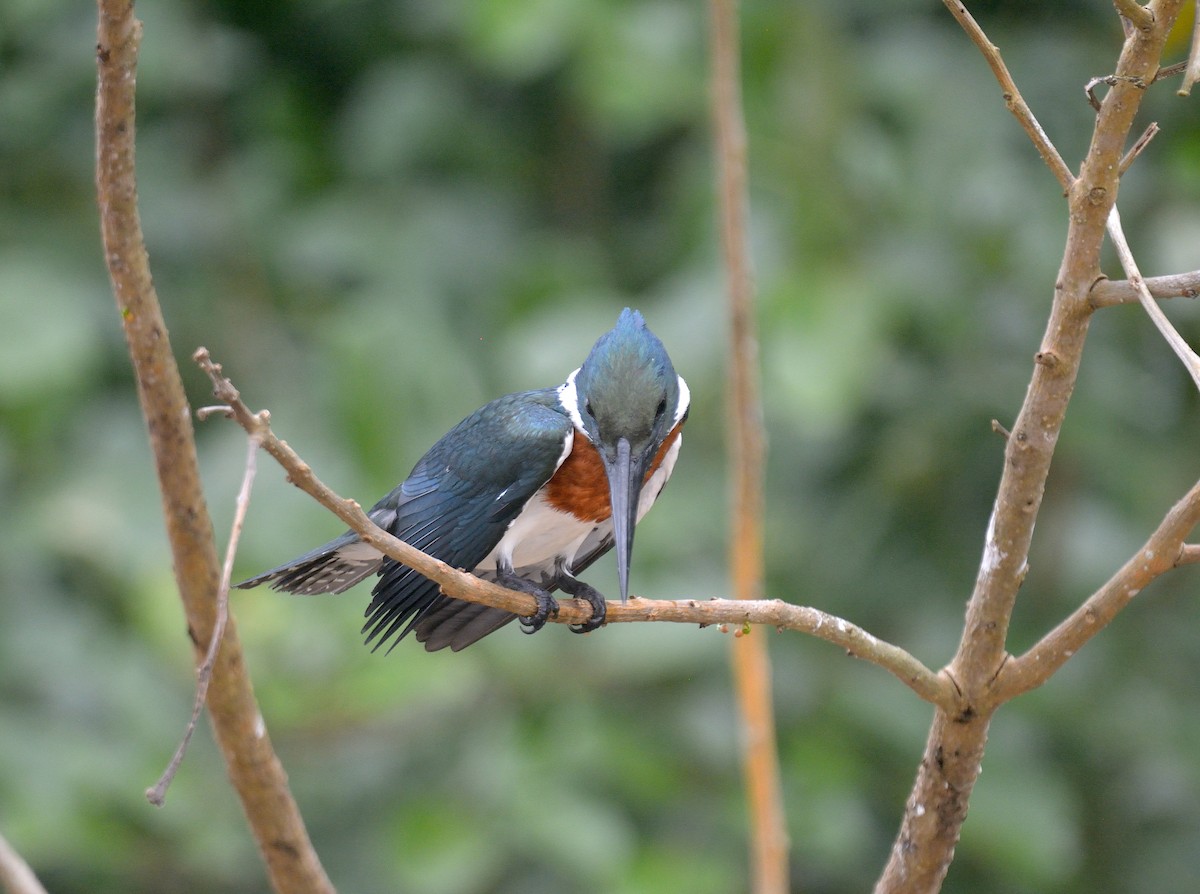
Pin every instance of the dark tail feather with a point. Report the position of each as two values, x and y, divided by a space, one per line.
333 568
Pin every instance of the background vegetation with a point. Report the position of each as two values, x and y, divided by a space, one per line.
378 216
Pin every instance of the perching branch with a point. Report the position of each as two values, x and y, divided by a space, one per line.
930 686
252 765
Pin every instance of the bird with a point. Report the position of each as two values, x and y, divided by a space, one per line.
527 492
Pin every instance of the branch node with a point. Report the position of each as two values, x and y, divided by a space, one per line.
1138 16
1049 359
1000 429
1189 554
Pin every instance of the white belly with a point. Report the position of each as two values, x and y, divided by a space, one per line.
538 536
542 535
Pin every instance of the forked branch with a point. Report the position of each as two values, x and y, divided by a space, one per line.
937 805
1164 551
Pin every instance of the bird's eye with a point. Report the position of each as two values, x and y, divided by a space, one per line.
587 407
662 408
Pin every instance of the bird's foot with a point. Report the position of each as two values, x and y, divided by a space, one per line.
547 605
589 594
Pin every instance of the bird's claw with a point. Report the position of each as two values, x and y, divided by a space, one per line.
547 607
589 625
592 597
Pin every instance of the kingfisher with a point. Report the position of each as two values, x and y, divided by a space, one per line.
527 491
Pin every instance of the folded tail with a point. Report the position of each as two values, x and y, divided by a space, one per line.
333 568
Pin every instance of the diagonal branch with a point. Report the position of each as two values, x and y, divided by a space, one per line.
1164 551
15 875
933 687
253 768
1012 96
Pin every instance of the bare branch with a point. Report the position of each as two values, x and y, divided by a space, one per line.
1181 348
1110 292
157 794
1191 72
1139 146
15 875
1012 96
1169 71
751 662
937 806
251 763
1164 551
930 686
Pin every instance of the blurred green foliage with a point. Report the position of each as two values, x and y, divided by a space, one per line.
380 214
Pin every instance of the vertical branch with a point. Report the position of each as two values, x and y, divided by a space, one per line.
251 763
751 664
937 805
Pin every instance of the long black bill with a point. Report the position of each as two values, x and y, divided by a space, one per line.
625 486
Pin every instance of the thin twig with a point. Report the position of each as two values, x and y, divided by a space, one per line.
1169 71
15 875
930 686
1191 72
157 794
1012 96
1111 81
1182 350
1111 292
1139 146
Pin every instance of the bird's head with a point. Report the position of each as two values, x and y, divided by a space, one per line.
627 398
